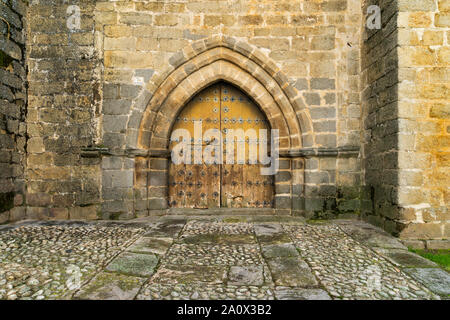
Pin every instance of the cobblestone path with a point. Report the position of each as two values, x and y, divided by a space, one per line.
212 258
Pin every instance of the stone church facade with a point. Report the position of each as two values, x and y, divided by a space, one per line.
88 105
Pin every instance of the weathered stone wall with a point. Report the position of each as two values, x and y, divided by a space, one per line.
405 114
63 110
424 119
333 179
379 104
359 107
13 99
315 44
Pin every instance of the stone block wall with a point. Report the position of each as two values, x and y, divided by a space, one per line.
64 103
379 86
405 115
365 116
424 119
13 99
86 86
314 43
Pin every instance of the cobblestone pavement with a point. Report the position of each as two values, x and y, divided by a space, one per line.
212 258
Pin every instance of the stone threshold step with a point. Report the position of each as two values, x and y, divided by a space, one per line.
222 211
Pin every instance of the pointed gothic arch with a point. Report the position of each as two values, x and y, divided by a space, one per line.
221 58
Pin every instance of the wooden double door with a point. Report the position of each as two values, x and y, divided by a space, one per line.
213 182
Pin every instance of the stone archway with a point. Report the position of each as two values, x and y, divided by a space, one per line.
195 68
223 141
284 120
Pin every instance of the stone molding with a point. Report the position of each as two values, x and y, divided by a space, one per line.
221 58
347 151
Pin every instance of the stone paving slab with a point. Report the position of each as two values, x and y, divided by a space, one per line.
279 250
204 292
199 227
435 279
291 271
157 246
111 286
219 239
275 238
292 293
186 274
405 259
169 228
272 233
216 257
206 254
262 219
134 264
268 229
370 236
246 275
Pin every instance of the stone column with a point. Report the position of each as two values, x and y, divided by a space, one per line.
298 180
158 176
141 192
118 186
283 191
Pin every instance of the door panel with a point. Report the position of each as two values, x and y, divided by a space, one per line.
198 186
243 186
221 107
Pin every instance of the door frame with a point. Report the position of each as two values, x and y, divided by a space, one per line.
200 64
219 101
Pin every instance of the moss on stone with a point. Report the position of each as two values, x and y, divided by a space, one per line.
5 60
125 283
6 201
317 221
441 256
219 238
114 216
134 264
235 219
105 283
274 238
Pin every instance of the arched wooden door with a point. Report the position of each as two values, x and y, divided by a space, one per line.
205 185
